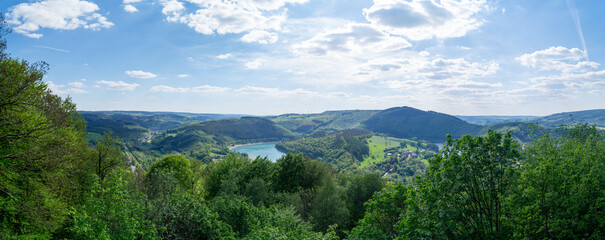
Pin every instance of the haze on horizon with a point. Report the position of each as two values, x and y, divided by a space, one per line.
467 57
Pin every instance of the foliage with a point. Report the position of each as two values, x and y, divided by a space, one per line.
383 211
329 121
464 190
244 130
182 216
41 150
358 189
343 149
127 130
329 207
560 193
106 155
407 122
295 172
110 210
170 173
284 224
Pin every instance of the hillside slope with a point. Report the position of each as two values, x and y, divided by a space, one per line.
407 122
493 119
329 121
220 133
596 117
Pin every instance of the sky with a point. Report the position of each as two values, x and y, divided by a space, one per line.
269 57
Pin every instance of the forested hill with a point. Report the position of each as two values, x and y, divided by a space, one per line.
134 125
407 122
596 117
495 119
220 133
245 129
329 121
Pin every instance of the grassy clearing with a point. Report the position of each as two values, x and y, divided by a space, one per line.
377 146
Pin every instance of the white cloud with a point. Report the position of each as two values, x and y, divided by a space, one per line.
209 89
224 56
77 84
132 1
172 9
168 89
421 19
353 38
260 36
130 8
27 18
255 64
199 89
256 18
559 59
118 86
140 74
57 88
456 69
285 93
183 75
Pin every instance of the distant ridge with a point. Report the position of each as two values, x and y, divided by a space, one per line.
495 119
596 117
408 122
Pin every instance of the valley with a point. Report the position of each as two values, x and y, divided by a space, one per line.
395 142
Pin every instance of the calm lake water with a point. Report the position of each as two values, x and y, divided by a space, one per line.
260 149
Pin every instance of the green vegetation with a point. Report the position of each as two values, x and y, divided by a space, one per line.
329 121
54 184
359 150
206 141
406 122
491 120
344 149
596 117
98 125
484 188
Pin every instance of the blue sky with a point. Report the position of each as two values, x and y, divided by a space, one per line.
267 57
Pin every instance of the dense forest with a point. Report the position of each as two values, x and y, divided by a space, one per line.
56 184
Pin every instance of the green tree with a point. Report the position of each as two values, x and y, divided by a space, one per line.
561 188
227 175
464 190
41 150
182 216
169 174
382 214
107 155
296 172
110 210
238 212
329 207
359 188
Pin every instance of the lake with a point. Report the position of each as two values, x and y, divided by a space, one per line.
260 149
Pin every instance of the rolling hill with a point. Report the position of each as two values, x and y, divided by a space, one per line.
329 121
491 119
220 133
596 117
133 125
407 122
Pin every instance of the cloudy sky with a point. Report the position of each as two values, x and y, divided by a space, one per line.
466 57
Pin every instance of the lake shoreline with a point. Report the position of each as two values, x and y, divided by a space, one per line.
240 145
264 149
